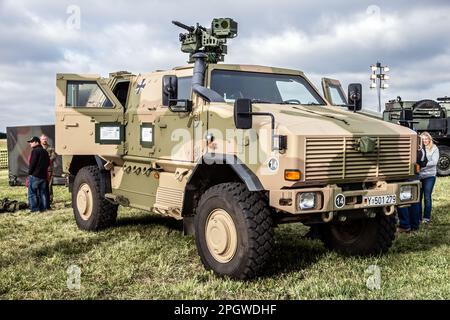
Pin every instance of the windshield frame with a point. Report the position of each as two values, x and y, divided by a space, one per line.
309 86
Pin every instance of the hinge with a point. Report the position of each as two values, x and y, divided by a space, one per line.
126 118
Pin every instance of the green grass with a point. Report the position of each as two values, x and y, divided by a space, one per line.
147 257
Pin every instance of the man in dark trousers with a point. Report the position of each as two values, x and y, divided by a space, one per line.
37 176
52 156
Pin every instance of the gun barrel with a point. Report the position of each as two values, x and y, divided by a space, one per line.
183 26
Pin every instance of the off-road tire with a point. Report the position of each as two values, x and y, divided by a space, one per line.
253 223
360 237
443 167
104 213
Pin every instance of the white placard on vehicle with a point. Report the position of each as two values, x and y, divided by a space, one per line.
147 134
110 133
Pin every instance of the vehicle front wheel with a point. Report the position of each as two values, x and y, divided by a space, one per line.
361 236
92 212
234 231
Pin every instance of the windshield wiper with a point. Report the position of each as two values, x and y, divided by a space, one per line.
291 101
260 101
312 104
323 115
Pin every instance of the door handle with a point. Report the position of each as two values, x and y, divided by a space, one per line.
71 125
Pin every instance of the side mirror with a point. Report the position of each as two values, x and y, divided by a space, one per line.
243 113
354 96
169 89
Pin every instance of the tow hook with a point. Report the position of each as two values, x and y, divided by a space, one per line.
388 210
327 216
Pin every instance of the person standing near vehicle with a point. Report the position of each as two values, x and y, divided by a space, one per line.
428 176
409 217
37 176
52 155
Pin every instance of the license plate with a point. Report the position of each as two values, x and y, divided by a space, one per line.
380 200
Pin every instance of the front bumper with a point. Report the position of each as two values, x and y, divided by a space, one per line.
286 199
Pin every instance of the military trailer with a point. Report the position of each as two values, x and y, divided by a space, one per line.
232 151
425 115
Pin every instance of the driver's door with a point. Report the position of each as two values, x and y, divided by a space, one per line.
89 118
333 92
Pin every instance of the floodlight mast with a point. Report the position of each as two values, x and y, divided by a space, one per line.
379 79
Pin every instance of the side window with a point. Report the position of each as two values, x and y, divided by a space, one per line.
184 88
337 97
121 92
86 94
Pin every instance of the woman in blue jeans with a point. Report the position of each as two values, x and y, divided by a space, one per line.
410 217
428 176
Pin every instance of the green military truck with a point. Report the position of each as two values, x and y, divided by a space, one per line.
232 151
425 115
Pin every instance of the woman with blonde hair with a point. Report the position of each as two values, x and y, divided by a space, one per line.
428 176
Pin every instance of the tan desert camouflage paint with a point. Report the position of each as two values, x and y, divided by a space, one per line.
154 177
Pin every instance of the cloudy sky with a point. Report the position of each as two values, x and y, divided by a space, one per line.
321 37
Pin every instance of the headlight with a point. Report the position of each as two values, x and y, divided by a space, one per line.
406 193
307 200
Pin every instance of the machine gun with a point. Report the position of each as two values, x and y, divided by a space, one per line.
211 42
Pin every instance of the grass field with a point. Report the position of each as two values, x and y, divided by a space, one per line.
147 257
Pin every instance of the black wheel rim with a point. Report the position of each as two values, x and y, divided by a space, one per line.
444 163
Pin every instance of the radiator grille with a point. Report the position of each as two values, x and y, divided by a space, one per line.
334 158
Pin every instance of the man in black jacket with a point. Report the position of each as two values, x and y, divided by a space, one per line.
37 176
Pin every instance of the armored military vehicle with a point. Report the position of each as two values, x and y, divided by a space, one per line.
425 115
233 151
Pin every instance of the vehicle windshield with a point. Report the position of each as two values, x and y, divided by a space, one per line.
264 87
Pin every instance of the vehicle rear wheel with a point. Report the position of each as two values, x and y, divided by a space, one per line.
92 212
234 231
443 166
361 236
